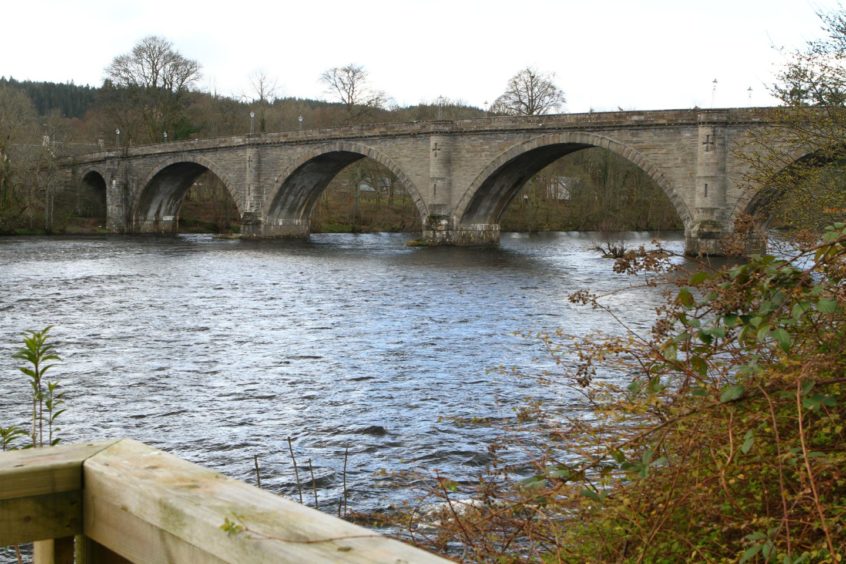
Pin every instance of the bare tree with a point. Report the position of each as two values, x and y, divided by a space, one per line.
529 93
155 78
264 93
264 87
17 118
153 63
816 75
349 85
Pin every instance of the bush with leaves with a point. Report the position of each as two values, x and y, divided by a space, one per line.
724 441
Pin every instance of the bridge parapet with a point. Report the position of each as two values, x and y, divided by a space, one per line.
581 121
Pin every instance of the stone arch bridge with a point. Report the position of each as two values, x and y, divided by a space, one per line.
460 174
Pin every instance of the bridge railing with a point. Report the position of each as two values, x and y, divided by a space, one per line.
125 501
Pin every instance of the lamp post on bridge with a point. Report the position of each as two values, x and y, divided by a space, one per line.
300 119
117 138
713 92
252 123
164 136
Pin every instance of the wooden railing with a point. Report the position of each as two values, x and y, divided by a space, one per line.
125 501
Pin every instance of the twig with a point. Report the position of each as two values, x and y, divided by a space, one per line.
468 540
296 472
782 489
258 475
313 483
811 480
343 501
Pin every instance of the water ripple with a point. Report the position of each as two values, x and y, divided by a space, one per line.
218 350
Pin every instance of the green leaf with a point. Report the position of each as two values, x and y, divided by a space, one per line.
765 307
826 305
750 553
532 482
748 441
767 551
699 278
685 298
732 393
783 339
798 310
817 401
655 386
559 473
590 494
670 351
699 365
807 386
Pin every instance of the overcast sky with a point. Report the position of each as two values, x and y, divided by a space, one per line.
605 54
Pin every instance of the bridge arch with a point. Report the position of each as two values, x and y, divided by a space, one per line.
92 194
160 194
755 199
487 197
299 186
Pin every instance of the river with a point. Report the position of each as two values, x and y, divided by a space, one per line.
217 350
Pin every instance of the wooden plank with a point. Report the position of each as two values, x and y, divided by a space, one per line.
40 471
130 482
27 519
138 540
53 551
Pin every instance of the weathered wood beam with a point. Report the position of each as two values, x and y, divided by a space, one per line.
135 503
41 492
147 505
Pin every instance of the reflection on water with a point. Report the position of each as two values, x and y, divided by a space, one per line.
216 350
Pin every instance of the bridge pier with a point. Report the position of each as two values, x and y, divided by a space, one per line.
281 228
160 225
117 201
704 238
440 231
706 234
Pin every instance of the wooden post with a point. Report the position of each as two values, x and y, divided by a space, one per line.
53 551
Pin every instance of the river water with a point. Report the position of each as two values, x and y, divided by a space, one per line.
217 350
